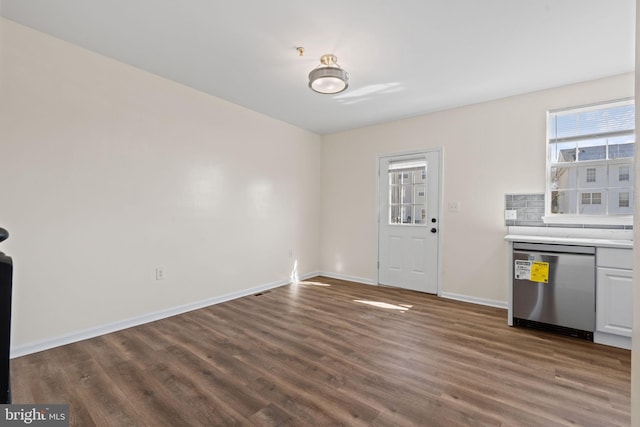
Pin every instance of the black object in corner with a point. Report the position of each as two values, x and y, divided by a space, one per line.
6 277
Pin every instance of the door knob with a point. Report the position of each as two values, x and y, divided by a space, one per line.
433 230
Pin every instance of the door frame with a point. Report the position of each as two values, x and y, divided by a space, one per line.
440 152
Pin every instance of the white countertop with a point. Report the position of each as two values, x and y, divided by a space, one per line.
572 236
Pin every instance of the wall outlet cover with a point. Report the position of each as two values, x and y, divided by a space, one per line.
510 214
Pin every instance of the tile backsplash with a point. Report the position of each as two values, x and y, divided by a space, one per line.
530 210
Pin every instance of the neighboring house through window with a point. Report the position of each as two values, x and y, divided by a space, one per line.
623 200
623 174
590 161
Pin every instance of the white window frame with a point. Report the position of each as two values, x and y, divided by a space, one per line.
577 218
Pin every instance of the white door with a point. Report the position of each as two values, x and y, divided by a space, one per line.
408 228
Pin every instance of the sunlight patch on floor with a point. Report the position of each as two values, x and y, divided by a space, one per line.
313 283
400 307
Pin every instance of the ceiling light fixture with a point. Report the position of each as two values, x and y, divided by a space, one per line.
328 77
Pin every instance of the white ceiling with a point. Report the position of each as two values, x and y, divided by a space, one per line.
404 57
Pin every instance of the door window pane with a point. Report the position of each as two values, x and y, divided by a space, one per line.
407 193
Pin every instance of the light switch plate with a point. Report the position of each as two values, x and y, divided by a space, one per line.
453 207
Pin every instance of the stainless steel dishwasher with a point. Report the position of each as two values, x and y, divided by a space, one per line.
554 288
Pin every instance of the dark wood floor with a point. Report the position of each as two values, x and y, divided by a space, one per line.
327 353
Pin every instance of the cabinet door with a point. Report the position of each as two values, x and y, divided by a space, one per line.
614 301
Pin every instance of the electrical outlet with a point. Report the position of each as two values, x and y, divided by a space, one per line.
159 273
510 214
453 207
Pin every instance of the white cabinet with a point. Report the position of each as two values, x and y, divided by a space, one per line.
614 297
614 301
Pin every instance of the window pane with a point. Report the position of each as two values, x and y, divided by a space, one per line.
394 178
394 214
405 214
595 145
394 195
421 194
563 178
590 122
622 118
598 120
563 202
562 152
567 125
592 149
419 214
407 193
621 150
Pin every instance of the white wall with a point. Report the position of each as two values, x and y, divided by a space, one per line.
490 149
107 172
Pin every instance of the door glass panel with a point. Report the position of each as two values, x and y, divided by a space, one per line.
419 214
394 214
394 195
407 192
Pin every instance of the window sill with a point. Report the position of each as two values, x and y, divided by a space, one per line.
588 220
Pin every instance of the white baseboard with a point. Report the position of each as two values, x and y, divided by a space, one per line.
475 300
448 295
46 344
347 278
612 340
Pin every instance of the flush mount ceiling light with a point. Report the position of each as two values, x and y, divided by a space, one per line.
328 77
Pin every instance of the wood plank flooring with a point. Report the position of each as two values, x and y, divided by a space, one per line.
326 353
